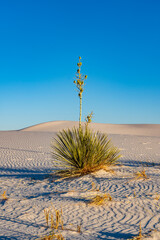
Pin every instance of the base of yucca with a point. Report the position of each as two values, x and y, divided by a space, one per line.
68 173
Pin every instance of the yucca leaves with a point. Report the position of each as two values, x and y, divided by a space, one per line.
82 151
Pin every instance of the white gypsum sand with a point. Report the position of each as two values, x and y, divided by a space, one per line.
25 164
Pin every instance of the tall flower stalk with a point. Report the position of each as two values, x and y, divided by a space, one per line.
79 81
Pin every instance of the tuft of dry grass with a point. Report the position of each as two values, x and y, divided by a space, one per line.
94 187
109 170
79 228
157 197
4 197
46 213
54 220
141 175
52 236
100 199
139 237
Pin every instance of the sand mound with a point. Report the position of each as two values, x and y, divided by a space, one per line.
127 129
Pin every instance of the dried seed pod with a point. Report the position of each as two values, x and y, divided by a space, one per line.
79 64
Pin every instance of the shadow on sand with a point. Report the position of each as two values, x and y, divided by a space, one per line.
134 163
35 174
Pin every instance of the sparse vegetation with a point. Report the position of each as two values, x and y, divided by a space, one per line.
141 175
139 237
100 199
54 221
4 197
53 236
157 197
94 187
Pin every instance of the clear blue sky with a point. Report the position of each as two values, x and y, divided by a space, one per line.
40 42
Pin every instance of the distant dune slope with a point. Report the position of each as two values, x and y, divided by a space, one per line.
129 129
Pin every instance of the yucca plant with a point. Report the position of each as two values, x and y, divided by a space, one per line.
80 151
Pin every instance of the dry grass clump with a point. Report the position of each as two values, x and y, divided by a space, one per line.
54 220
94 187
53 236
100 199
79 228
139 237
157 197
152 234
141 175
4 197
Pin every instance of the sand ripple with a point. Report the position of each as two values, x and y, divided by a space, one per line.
25 163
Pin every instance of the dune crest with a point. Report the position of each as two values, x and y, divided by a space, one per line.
127 129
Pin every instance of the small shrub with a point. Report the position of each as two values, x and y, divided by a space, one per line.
81 152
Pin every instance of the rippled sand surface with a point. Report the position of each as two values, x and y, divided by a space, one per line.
25 164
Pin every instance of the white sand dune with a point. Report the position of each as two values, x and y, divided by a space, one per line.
25 164
129 129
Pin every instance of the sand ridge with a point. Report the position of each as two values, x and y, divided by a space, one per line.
129 129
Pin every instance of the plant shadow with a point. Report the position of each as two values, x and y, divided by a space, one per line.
15 235
115 235
35 174
134 163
